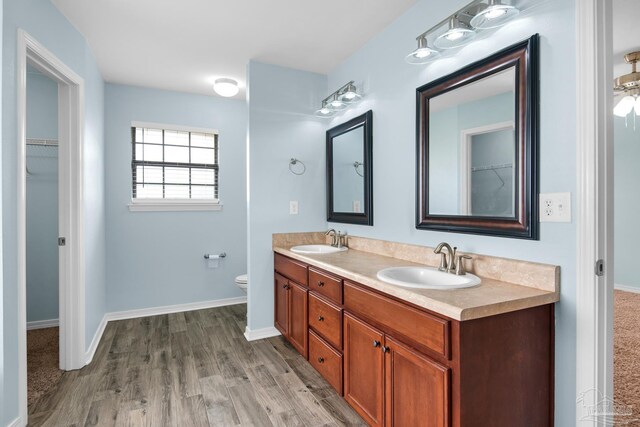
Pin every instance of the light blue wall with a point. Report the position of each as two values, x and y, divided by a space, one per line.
156 258
390 85
626 200
42 199
46 24
282 125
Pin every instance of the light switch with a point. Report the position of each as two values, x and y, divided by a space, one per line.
293 207
356 206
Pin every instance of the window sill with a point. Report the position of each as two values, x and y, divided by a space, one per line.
174 206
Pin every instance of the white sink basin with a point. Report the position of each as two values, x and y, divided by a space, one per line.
317 249
426 278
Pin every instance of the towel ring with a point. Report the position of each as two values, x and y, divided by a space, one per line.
295 161
356 165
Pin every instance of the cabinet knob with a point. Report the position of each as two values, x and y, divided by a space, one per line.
284 286
376 343
385 349
320 283
320 319
320 359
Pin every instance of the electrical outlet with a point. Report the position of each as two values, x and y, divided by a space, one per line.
555 207
356 206
293 207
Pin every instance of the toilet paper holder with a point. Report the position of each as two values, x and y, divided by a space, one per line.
211 256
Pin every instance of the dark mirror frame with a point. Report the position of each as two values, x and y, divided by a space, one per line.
524 224
365 218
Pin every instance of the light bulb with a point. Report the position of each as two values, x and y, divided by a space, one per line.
454 35
458 34
494 15
422 54
324 111
625 106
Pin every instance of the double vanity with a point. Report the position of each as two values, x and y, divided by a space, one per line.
408 345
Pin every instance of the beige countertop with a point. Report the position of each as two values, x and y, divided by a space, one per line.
490 298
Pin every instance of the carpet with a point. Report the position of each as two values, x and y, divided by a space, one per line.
42 362
626 350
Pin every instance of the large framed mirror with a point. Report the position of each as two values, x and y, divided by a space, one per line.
349 171
477 147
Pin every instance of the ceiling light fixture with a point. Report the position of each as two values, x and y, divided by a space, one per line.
493 15
226 87
458 34
461 27
628 86
339 100
423 52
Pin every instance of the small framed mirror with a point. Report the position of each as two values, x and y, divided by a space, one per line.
477 147
349 167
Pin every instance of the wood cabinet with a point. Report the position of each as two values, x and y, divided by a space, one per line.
398 364
364 369
290 305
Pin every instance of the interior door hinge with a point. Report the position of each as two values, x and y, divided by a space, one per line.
600 267
62 241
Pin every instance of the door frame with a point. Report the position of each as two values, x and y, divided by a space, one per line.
594 188
71 203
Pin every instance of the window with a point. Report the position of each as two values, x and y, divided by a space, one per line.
173 167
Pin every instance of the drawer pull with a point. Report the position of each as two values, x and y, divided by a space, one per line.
286 287
320 319
320 359
376 343
385 349
320 283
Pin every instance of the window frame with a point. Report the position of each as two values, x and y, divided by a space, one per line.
173 205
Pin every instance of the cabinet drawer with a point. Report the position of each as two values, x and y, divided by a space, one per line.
291 269
326 360
326 320
325 284
423 331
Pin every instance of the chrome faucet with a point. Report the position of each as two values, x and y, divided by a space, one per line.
341 239
331 232
448 260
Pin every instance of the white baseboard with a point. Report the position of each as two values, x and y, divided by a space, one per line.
41 324
91 351
16 423
259 334
626 288
178 308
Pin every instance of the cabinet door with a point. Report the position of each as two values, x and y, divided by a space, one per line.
364 369
298 321
281 304
416 388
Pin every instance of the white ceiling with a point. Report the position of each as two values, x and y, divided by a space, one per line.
626 33
183 45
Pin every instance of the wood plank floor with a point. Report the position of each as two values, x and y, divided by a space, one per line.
192 369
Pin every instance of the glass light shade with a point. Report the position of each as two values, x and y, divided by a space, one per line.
336 104
637 106
494 15
325 111
624 106
350 96
457 35
422 54
226 87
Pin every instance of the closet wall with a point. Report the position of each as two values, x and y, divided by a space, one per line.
42 199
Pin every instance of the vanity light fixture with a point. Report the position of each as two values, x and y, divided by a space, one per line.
458 34
226 87
339 100
461 27
628 86
423 52
493 15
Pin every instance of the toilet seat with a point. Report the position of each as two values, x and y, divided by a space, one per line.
242 279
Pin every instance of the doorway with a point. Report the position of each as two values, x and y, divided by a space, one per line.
31 55
43 359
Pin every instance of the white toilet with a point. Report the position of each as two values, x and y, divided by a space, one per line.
242 282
